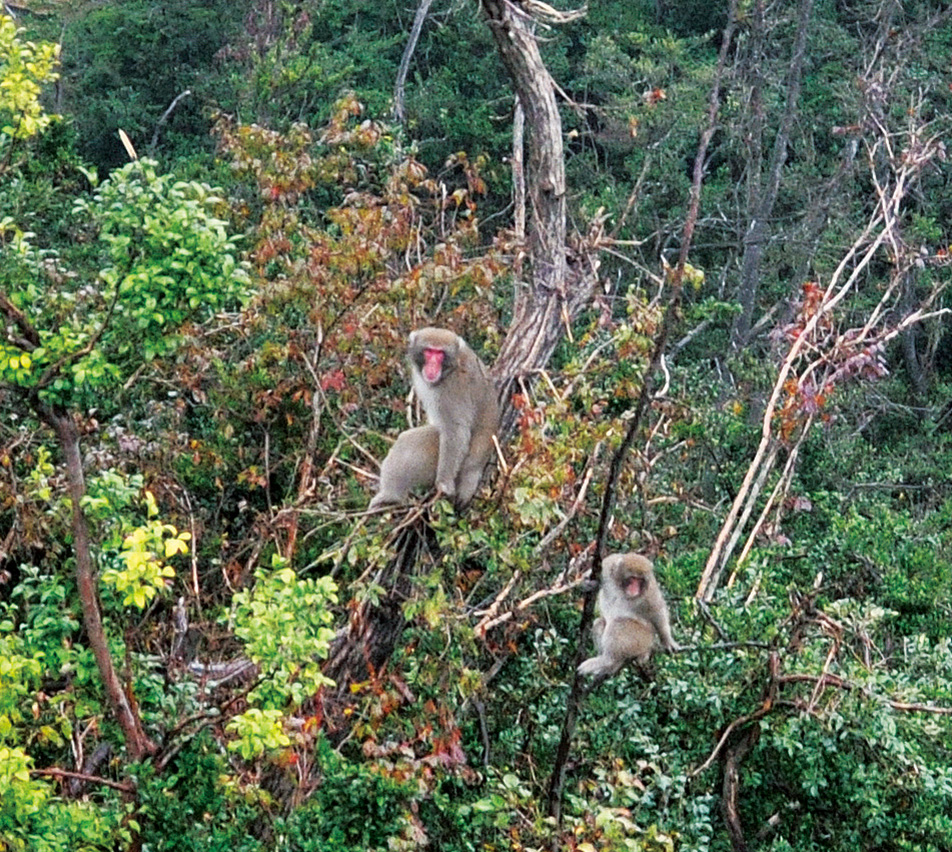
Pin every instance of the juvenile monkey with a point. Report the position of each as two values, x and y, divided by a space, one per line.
632 612
455 446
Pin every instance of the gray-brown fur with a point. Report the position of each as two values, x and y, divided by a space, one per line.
459 399
632 612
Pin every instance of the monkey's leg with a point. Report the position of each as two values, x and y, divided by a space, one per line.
598 631
628 639
409 466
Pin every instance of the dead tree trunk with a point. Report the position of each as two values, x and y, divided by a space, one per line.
374 629
762 196
557 288
399 89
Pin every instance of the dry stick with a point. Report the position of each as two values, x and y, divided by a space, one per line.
557 778
722 551
489 623
125 786
310 449
399 88
888 233
556 531
165 118
832 654
755 490
885 216
193 547
780 489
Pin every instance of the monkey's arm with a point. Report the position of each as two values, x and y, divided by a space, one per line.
454 445
662 624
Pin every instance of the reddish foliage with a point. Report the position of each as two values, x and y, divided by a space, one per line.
829 359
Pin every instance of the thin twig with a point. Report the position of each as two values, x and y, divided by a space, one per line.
125 786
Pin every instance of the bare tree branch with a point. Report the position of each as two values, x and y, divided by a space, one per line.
399 87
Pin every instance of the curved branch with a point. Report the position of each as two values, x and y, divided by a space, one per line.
165 117
400 85
125 786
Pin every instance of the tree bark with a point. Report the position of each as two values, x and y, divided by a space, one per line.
519 185
67 434
544 305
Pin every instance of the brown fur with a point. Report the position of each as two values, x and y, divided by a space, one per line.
460 405
632 613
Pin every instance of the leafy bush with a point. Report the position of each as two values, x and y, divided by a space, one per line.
353 809
33 819
24 69
284 622
191 809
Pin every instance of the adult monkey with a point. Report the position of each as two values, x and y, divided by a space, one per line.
632 612
454 448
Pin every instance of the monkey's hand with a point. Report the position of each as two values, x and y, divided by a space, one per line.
445 489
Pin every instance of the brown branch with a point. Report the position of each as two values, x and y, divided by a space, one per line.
20 320
827 679
920 708
734 756
67 434
762 711
557 778
769 700
125 786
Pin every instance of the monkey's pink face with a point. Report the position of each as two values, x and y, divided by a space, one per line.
433 364
634 586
